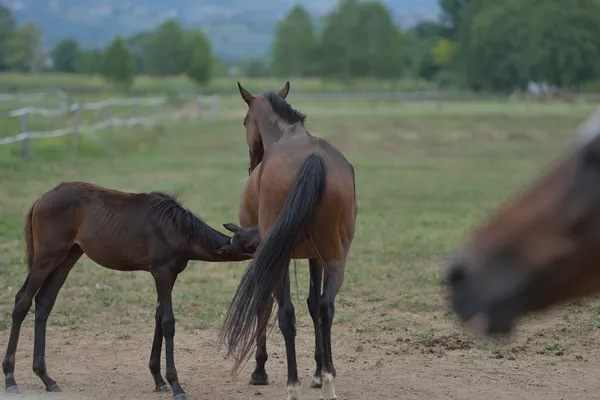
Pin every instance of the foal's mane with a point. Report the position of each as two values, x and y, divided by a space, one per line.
168 210
283 109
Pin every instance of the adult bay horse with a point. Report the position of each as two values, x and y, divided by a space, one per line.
301 195
121 231
540 249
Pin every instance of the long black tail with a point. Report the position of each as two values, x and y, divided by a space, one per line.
269 267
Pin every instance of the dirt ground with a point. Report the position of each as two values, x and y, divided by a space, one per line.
107 366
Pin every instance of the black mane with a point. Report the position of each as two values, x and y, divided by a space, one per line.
168 210
284 110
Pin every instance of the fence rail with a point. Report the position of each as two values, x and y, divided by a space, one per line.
75 129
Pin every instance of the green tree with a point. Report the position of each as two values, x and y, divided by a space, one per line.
503 45
118 65
65 55
138 44
295 46
443 52
200 57
453 13
166 49
359 40
383 42
340 55
7 27
89 62
420 40
23 50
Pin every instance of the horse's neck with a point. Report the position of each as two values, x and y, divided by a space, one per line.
293 131
276 129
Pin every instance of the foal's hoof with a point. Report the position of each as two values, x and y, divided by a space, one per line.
54 388
14 389
259 379
316 382
162 388
180 396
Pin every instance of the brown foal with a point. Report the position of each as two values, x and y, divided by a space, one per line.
121 231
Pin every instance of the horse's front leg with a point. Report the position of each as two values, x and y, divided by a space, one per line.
164 279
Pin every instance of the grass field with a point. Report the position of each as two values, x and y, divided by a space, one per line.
424 176
182 85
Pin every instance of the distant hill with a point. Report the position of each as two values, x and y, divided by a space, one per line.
237 28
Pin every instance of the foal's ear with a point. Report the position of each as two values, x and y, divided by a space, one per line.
246 95
284 92
584 193
232 227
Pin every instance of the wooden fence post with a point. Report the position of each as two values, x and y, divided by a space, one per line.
199 100
215 106
109 116
26 150
159 116
75 124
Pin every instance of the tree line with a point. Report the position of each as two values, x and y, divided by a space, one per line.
167 50
477 44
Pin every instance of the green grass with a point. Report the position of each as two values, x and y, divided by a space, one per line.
423 175
182 85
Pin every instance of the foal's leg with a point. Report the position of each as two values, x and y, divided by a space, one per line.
333 282
287 324
42 267
44 302
164 279
259 376
154 364
314 295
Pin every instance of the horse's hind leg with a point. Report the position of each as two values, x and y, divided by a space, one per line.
314 295
287 324
8 366
42 267
259 376
44 302
333 282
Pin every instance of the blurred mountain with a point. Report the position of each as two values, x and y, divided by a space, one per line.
237 28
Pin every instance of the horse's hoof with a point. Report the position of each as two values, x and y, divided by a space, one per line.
162 388
259 380
180 396
316 382
14 389
54 388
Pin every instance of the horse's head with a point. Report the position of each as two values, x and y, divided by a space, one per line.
245 241
541 249
253 133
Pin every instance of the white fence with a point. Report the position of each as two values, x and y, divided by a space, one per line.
103 116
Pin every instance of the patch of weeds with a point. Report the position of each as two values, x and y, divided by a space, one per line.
72 320
107 298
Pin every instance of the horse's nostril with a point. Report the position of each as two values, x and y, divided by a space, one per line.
456 274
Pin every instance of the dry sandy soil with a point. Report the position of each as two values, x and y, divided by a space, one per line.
110 366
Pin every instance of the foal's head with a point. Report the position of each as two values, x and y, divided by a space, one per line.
257 106
244 241
541 249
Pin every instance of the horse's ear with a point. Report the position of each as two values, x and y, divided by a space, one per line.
286 89
232 227
246 95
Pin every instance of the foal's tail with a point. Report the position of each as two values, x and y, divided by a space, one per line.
29 236
269 267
